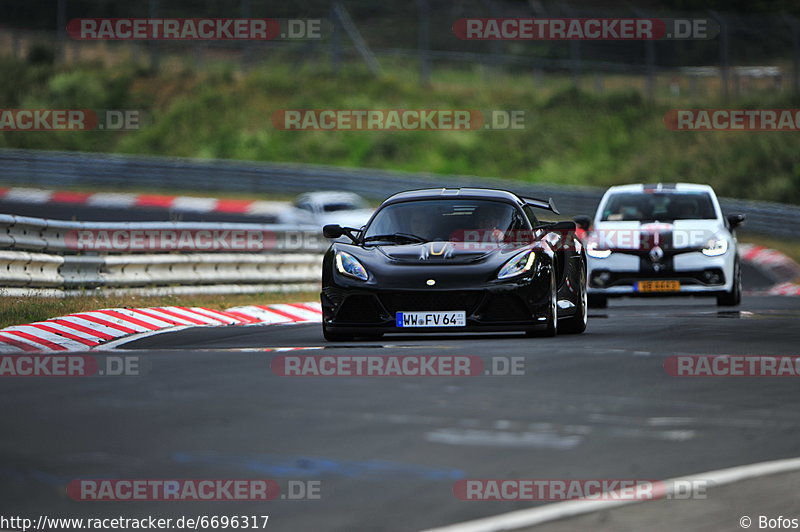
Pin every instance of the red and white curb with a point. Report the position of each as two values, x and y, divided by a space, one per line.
785 289
780 268
116 200
766 257
98 328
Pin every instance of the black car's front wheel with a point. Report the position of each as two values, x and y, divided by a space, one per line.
577 324
551 329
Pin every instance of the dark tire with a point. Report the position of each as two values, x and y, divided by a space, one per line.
734 297
577 323
552 315
333 336
597 301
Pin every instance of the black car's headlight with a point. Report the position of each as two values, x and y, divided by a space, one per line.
517 265
348 265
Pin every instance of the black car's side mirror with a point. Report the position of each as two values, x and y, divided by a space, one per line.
332 231
584 222
735 220
335 231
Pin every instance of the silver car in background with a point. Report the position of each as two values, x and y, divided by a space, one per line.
330 207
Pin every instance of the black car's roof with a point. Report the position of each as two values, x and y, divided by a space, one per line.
439 193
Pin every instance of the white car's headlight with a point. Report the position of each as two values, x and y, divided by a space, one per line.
593 251
715 247
348 265
517 265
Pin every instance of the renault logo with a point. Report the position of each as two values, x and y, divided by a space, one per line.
430 282
656 254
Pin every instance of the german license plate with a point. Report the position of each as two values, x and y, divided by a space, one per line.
658 286
438 318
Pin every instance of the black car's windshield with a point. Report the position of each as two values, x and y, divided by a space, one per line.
658 206
453 220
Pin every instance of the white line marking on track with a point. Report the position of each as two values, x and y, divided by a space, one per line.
561 510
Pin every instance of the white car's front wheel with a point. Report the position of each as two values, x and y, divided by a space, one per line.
734 296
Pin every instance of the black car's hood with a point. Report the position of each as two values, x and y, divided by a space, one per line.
438 252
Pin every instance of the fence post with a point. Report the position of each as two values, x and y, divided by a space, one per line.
650 63
599 87
358 41
538 75
153 44
424 42
246 45
15 45
650 59
576 65
794 27
724 54
336 40
61 36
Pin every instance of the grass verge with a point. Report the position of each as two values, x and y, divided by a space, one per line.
570 136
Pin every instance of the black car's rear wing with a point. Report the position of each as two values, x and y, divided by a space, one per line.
541 204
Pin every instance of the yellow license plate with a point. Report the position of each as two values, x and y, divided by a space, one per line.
658 286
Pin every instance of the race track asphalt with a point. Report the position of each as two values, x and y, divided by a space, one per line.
388 450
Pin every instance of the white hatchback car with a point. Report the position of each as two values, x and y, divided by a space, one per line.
662 240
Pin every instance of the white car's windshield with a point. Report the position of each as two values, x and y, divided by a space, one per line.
658 206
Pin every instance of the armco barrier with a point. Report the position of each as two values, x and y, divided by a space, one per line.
37 253
41 270
66 169
60 236
20 268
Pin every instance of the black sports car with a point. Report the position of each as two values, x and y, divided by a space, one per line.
450 260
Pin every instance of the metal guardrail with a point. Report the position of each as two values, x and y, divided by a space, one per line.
65 169
37 253
38 234
42 270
